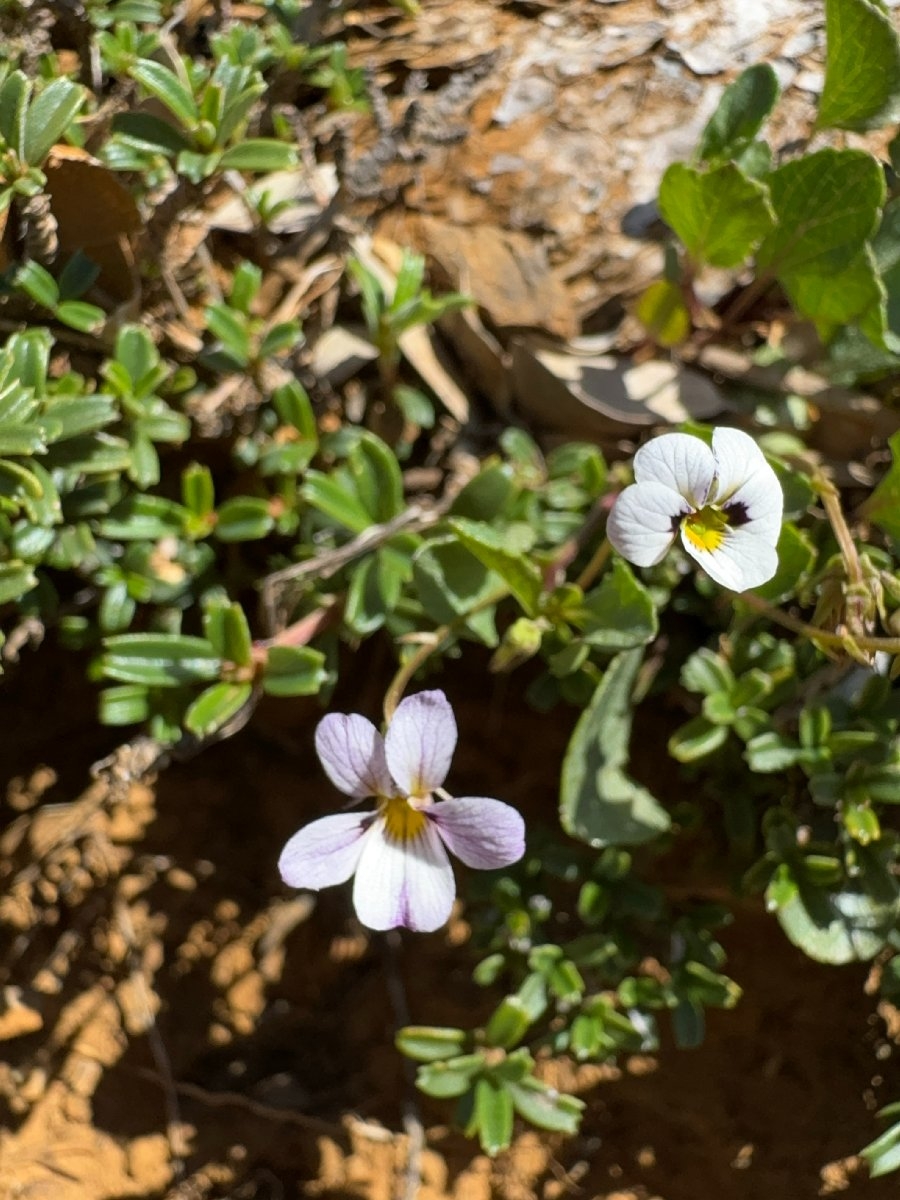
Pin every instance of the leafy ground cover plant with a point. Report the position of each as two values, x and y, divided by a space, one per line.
210 523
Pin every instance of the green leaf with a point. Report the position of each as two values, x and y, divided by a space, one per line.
883 1155
883 506
796 558
508 1024
48 118
447 1080
143 518
332 497
485 496
450 581
492 1118
215 707
519 574
833 299
721 216
259 154
697 739
198 490
862 67
159 659
165 85
620 613
769 753
688 1024
739 115
428 1043
600 804
376 474
127 704
706 672
839 927
37 283
545 1107
149 133
15 580
14 95
826 204
78 314
374 590
662 311
243 519
294 671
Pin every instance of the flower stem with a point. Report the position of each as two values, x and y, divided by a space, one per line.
436 641
890 645
595 566
831 502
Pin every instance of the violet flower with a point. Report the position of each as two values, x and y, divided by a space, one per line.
397 853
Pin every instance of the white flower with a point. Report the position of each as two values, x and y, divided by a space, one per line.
403 874
726 503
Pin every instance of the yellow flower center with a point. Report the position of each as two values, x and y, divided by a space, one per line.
402 822
705 529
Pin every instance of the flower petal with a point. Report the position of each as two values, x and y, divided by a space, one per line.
680 461
483 833
420 741
746 485
644 520
351 750
404 883
326 851
743 560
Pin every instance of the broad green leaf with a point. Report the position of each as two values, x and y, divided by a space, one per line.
215 707
294 671
827 204
159 659
862 67
833 299
49 116
663 313
373 594
450 581
721 216
883 506
620 612
428 1043
796 558
485 496
600 804
706 672
740 114
519 574
837 927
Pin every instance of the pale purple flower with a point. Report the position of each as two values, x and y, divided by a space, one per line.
397 853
